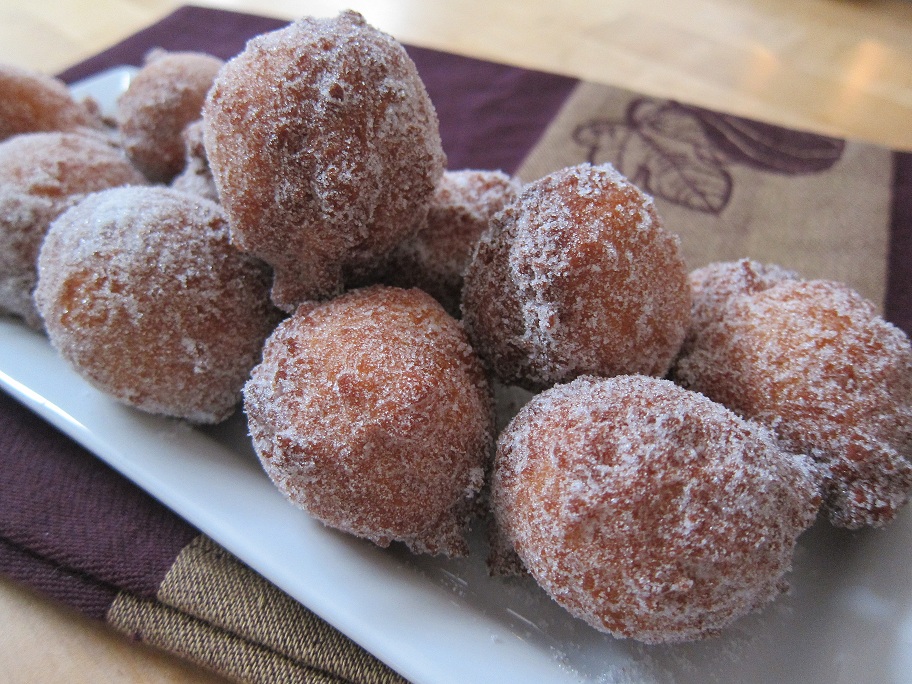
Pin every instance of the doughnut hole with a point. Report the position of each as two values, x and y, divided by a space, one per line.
577 276
372 413
325 150
143 295
163 98
42 175
815 362
32 102
649 511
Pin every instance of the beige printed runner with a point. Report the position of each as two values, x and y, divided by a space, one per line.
732 188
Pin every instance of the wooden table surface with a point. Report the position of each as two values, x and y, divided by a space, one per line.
841 67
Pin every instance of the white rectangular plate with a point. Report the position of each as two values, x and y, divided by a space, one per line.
848 617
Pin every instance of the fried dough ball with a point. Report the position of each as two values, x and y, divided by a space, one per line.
373 414
196 178
649 511
815 362
42 175
325 149
142 293
577 276
32 102
163 98
713 285
437 256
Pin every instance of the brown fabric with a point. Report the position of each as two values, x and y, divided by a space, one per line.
215 611
733 188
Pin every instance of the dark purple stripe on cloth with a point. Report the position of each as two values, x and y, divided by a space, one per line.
490 114
217 32
65 509
898 305
73 587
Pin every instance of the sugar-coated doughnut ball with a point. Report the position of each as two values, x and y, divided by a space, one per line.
713 285
142 293
196 178
41 175
325 149
372 413
647 510
577 276
31 102
163 98
814 361
435 258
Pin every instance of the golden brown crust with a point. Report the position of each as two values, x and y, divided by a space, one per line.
647 510
142 293
325 150
372 412
577 276
814 361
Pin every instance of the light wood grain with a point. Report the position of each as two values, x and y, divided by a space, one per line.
833 66
842 67
42 642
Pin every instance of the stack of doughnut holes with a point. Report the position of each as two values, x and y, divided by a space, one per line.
281 231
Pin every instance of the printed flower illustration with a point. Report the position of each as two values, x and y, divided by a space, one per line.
683 154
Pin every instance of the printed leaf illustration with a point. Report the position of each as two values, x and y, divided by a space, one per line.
605 140
664 153
674 159
768 147
682 153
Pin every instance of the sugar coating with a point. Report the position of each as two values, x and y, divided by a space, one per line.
163 98
436 257
325 149
31 102
647 510
196 178
577 276
815 362
42 175
713 285
372 413
142 293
